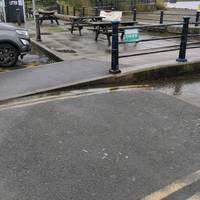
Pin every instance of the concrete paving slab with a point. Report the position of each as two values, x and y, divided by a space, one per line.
116 146
85 46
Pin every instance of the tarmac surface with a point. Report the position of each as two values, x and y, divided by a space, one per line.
114 146
32 80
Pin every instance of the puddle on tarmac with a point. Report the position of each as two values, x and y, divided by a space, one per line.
179 85
186 88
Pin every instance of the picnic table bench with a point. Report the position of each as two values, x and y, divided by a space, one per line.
105 28
47 15
79 22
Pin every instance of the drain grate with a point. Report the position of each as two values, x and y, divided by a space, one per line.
46 33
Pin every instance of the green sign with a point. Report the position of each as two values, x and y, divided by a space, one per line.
131 36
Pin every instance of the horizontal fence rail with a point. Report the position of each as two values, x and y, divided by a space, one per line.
164 49
162 14
182 47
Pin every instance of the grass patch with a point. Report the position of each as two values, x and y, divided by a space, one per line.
55 29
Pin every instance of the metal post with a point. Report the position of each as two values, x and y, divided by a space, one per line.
62 9
115 49
37 23
132 5
161 16
83 11
197 18
67 9
134 14
184 37
96 11
74 11
4 11
18 16
34 8
58 9
24 11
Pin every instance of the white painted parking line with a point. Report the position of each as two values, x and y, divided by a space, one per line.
195 197
174 187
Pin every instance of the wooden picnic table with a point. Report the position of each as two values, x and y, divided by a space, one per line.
92 18
47 15
79 22
105 28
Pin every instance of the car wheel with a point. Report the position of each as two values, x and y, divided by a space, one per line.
8 55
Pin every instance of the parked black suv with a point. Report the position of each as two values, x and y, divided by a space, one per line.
14 42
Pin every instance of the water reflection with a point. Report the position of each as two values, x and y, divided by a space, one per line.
178 89
186 88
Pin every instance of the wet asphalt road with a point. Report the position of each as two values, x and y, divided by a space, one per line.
116 146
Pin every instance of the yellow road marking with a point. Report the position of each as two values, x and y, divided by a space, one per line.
174 187
67 95
195 197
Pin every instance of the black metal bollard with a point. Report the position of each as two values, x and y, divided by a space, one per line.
37 26
184 38
197 18
161 16
62 9
18 16
26 9
67 10
58 9
96 11
83 11
134 14
74 11
115 49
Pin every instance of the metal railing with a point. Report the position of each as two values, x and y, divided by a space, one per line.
182 47
162 17
76 11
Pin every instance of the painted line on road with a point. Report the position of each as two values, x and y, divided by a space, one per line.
195 197
68 95
174 187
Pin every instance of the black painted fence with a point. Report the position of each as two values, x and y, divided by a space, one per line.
182 47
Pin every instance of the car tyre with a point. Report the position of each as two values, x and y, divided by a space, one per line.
8 55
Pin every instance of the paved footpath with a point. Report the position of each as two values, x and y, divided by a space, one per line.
32 80
68 73
115 146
